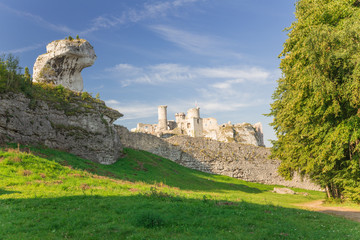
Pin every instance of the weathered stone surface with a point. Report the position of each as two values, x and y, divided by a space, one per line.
193 125
243 133
63 62
88 133
283 191
241 161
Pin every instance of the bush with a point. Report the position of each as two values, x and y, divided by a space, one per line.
149 219
352 193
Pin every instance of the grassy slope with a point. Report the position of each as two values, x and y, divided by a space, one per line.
54 195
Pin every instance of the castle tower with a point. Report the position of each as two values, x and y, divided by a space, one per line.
193 113
194 125
179 117
162 117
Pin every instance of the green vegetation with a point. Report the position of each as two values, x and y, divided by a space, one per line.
47 194
12 80
10 74
317 101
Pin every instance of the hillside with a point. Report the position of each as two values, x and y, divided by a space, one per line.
47 194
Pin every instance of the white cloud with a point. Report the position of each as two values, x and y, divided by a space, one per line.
220 106
24 49
216 90
149 10
153 74
236 74
189 41
38 19
133 110
217 77
202 44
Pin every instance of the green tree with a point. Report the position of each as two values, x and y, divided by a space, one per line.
77 37
10 71
27 76
316 106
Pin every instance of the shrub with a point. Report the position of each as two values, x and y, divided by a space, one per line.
26 173
352 193
149 219
85 95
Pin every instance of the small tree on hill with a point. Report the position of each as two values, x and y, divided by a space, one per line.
27 75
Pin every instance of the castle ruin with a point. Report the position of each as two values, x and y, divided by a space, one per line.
191 124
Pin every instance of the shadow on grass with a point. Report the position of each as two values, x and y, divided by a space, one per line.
5 192
149 168
156 170
154 217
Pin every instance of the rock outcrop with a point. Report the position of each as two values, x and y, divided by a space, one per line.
242 161
82 127
63 62
243 133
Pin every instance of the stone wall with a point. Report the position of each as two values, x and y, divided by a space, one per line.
236 160
84 129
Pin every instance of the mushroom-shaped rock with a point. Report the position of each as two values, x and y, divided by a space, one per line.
63 62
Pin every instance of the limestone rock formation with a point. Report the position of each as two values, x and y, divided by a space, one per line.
243 133
63 62
83 128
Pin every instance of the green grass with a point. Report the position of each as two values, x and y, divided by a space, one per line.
48 194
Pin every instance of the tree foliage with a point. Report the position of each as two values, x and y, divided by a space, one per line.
10 73
316 106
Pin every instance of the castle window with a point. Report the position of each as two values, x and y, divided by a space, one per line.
198 121
188 125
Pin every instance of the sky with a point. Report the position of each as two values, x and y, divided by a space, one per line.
219 55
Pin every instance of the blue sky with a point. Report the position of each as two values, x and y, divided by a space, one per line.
221 55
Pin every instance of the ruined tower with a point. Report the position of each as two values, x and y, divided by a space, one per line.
194 123
179 117
193 113
162 117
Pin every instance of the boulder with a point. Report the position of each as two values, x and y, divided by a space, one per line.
63 63
283 191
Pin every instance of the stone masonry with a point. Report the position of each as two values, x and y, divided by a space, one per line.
246 162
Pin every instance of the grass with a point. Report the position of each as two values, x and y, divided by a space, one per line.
48 194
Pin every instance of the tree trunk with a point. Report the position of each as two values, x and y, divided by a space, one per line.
327 191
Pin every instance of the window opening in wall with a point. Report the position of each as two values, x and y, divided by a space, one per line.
188 125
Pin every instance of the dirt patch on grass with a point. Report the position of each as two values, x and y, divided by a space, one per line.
140 167
349 213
